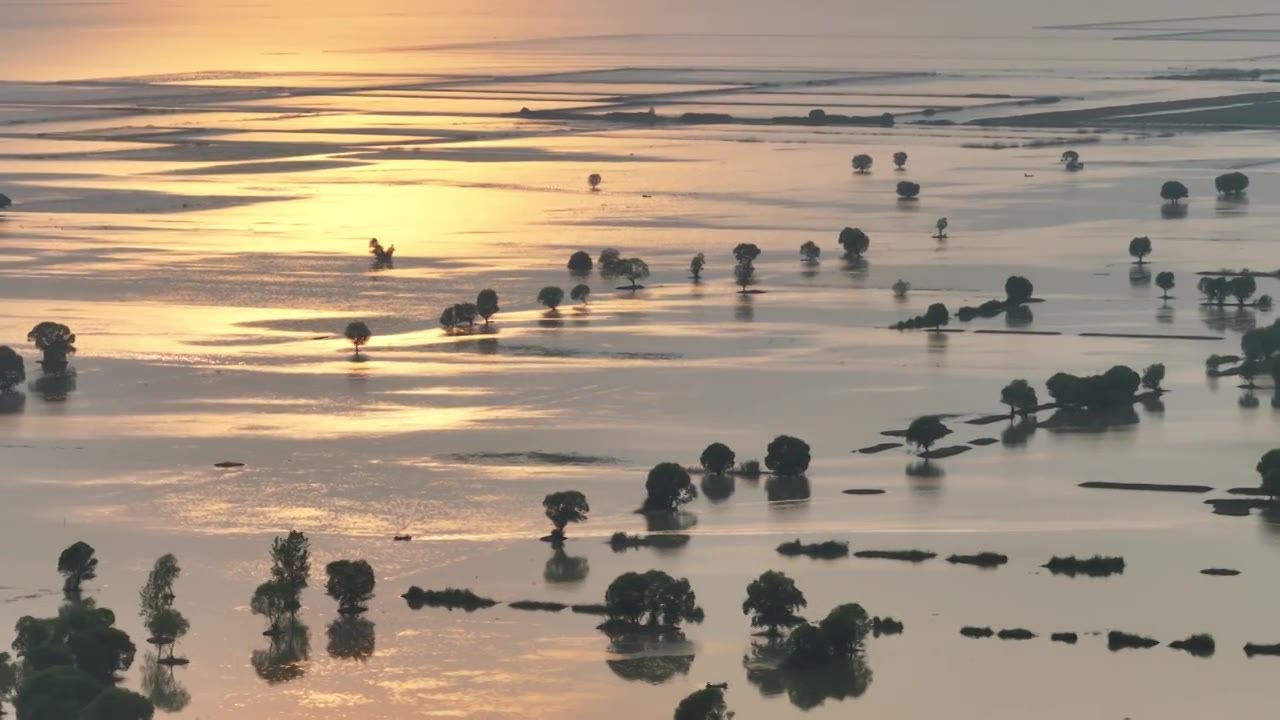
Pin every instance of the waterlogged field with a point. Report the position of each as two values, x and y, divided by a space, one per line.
203 233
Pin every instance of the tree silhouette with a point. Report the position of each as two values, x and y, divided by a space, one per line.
655 597
862 164
746 253
941 227
695 266
12 369
787 456
487 300
447 320
846 628
358 333
579 293
291 560
1165 281
810 252
157 593
56 341
908 190
5 202
167 626
351 583
594 181
579 263
744 274
667 488
550 296
274 600
717 458
901 288
1152 376
705 704
382 258
1215 289
1020 397
633 269
936 316
1271 484
1242 288
608 262
854 241
1140 247
115 703
925 431
562 508
1017 290
900 159
1173 191
772 602
77 564
1232 184
1070 156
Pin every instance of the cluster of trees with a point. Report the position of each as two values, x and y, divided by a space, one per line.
612 264
652 599
551 296
668 485
485 307
1260 348
772 603
69 666
935 317
166 625
1116 387
744 269
1071 159
854 241
1231 185
862 162
1017 291
1216 290
280 598
1269 469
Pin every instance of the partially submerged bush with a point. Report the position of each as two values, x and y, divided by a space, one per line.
1069 638
620 541
1199 645
976 632
1117 640
537 605
982 559
653 598
449 598
717 458
1096 566
886 626
935 317
787 456
914 556
1015 634
827 550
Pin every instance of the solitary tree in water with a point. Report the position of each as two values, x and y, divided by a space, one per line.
772 602
901 288
1165 282
562 508
707 703
5 202
667 488
56 341
900 159
594 181
77 564
1173 191
633 269
487 301
157 593
787 456
1017 290
854 241
1070 156
941 226
351 583
358 333
1020 397
698 262
717 458
580 263
291 560
810 252
743 274
382 257
862 163
936 316
551 296
580 293
1152 376
925 431
1232 185
908 190
12 369
1140 247
746 252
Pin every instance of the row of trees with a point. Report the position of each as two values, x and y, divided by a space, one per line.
1216 290
1231 185
485 307
862 162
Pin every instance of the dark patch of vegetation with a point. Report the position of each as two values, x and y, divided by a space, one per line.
1232 184
976 632
862 163
1237 507
55 341
358 333
696 264
705 704
351 583
914 556
1200 645
717 458
826 550
652 599
748 469
854 241
550 296
1153 487
1252 649
983 442
1140 248
881 447
863 491
228 464
924 431
621 541
908 190
1069 638
383 258
772 602
1096 566
945 452
787 456
590 609
537 605
1115 387
1220 572
580 263
449 598
886 626
1117 640
1015 634
668 487
935 317
982 559
562 508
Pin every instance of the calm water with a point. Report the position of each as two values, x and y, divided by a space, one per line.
202 231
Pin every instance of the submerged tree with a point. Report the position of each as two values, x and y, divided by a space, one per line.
274 600
772 602
705 704
1152 376
1215 289
167 626
1242 287
924 431
562 508
291 560
358 333
12 369
1173 191
465 313
447 320
854 241
1017 290
1070 156
5 202
1140 247
579 263
941 227
594 180
695 266
787 456
157 593
608 262
746 252
908 190
77 564
580 293
1165 281
744 274
487 300
551 296
654 598
1020 397
717 458
901 288
810 252
56 341
161 687
383 258
846 628
936 316
900 159
862 163
633 269
667 488
1232 184
351 583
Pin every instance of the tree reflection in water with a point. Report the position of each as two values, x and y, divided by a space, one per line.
717 487
161 687
55 387
351 637
651 658
1018 434
781 488
286 658
806 688
564 568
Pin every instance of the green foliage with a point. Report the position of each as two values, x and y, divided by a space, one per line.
168 626
1020 397
562 508
118 704
846 628
854 241
1140 247
810 252
77 564
1152 376
157 593
787 455
772 601
633 269
580 293
925 431
487 300
56 693
1231 184
717 458
1165 281
653 598
1173 191
291 560
351 583
1096 566
56 341
862 163
102 652
809 647
1242 288
908 190
698 262
746 253
579 263
274 600
358 333
12 369
900 159
667 488
1017 290
705 704
1269 462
